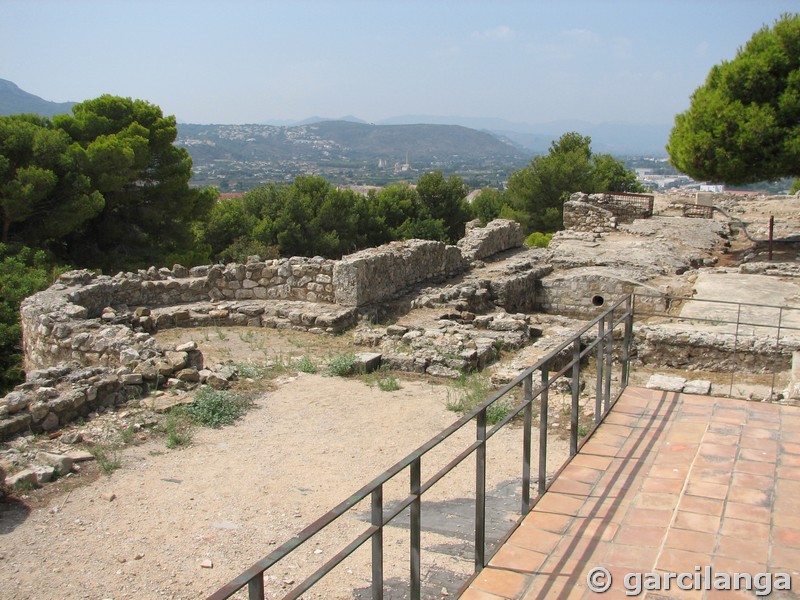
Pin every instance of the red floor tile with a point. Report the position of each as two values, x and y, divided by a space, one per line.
673 482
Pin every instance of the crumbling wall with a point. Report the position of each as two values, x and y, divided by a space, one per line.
497 236
626 208
582 216
695 350
381 273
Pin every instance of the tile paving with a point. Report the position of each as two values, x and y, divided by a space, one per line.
669 483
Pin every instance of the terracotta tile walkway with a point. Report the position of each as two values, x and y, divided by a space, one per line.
668 483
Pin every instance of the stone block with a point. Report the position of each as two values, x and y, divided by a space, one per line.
367 362
666 383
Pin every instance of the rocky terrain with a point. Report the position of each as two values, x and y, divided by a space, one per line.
124 516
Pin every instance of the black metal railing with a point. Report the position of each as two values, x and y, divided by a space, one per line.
604 341
754 339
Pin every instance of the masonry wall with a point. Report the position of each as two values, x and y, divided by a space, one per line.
377 274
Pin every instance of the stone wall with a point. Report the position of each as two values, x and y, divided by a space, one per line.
582 216
696 350
588 291
497 236
625 208
377 274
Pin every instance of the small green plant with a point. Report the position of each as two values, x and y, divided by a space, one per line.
341 365
250 371
306 365
470 391
107 457
178 428
24 485
215 408
127 434
249 336
582 431
221 334
538 239
388 383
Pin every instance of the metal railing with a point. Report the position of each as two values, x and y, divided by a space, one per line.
604 341
764 333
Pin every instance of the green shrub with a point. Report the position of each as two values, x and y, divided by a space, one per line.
538 240
472 390
306 365
23 272
215 408
107 457
341 365
388 383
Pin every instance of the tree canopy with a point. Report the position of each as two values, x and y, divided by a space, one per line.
311 217
104 187
743 123
536 193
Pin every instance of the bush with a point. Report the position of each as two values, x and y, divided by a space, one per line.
23 272
215 408
538 240
342 365
471 391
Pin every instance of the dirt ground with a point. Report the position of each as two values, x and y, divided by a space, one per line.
180 523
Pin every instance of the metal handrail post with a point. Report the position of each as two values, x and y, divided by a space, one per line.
480 493
735 347
255 588
609 348
777 350
527 386
576 390
543 401
599 362
627 336
416 529
377 543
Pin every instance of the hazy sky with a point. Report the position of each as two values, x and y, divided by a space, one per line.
237 61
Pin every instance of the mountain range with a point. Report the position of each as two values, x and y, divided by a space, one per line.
619 139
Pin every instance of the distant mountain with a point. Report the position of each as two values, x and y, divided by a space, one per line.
613 138
348 142
14 101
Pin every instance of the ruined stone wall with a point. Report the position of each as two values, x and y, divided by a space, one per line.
582 216
626 208
587 291
695 350
497 236
377 274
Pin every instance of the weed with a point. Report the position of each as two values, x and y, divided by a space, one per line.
388 383
127 434
250 371
215 408
341 365
472 390
247 337
24 485
178 428
107 457
582 431
306 365
221 334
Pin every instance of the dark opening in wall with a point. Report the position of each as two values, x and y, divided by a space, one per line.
598 300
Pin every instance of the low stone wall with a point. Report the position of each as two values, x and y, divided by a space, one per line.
497 236
377 274
588 291
296 278
695 350
625 208
582 216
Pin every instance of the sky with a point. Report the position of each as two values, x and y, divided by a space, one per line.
249 61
